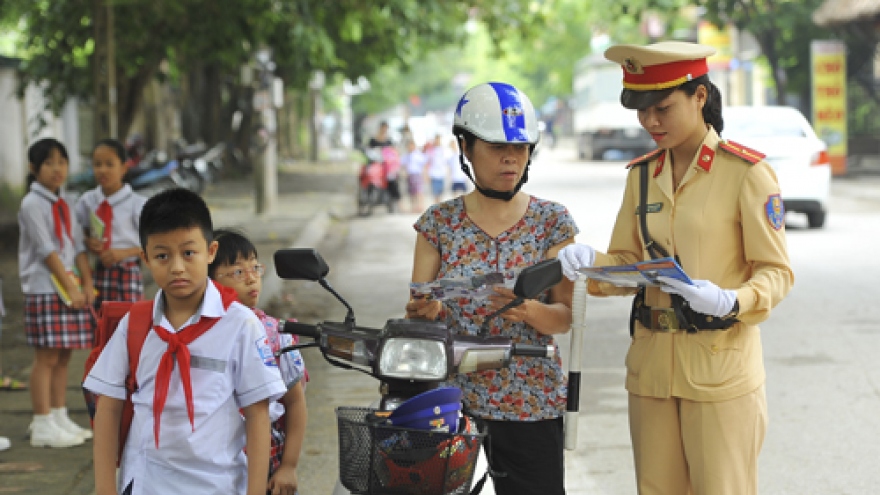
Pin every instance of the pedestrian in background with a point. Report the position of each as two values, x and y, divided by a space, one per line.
497 228
4 441
437 166
695 372
457 177
57 316
414 163
237 266
114 210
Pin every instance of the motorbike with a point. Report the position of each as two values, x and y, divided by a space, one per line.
151 174
382 449
373 184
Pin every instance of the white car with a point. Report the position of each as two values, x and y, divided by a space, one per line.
797 155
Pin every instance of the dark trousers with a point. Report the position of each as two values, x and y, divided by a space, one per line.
530 453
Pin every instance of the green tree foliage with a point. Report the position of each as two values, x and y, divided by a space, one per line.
783 29
348 37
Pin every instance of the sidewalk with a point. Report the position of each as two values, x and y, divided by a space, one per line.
311 196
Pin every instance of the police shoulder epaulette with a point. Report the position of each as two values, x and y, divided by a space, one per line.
645 158
741 151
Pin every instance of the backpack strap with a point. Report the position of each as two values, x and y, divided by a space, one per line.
140 322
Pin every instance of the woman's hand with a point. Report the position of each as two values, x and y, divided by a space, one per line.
428 309
504 296
284 481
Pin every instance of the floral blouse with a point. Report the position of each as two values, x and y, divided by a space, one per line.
529 389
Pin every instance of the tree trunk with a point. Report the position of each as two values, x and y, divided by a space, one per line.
131 97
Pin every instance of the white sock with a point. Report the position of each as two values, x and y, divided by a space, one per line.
42 418
58 412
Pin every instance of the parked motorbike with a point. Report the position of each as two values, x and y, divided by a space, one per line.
381 452
373 184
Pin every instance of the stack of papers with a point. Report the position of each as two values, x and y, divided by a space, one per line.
476 287
638 274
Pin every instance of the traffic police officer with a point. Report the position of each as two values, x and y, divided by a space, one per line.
695 372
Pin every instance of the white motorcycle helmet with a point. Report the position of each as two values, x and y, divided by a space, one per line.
496 113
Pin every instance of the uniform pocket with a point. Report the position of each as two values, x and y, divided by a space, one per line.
715 359
638 350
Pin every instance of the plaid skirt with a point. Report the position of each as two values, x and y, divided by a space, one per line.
121 282
48 322
276 452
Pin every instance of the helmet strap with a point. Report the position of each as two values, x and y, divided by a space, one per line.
492 193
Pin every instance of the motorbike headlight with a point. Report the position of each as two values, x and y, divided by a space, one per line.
413 359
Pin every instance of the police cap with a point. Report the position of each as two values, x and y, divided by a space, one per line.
652 72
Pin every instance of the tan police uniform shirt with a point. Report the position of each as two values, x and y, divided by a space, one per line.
722 225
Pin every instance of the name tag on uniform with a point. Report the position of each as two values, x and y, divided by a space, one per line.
650 208
208 364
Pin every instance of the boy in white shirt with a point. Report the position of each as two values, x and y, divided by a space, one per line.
186 436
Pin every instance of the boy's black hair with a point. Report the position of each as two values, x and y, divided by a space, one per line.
39 152
231 246
174 209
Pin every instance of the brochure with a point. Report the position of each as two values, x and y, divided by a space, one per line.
97 226
642 273
477 287
62 292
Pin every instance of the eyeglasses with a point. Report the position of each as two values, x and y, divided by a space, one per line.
241 273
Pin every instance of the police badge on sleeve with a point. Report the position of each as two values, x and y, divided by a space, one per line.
266 353
775 211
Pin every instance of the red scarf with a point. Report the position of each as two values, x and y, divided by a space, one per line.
105 213
178 350
61 219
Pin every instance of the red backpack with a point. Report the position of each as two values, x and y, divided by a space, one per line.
140 324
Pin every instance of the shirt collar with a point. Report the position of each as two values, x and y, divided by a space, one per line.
117 197
42 191
211 306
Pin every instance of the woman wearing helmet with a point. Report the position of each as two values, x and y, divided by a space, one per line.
695 375
496 228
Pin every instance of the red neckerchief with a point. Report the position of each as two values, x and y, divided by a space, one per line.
61 219
105 213
178 350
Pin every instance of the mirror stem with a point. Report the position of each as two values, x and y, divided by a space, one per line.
484 328
349 317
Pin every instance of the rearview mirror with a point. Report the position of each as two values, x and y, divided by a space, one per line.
300 264
537 278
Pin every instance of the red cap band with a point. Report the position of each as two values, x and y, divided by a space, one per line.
662 76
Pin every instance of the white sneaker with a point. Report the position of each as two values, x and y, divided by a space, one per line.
45 433
63 420
5 443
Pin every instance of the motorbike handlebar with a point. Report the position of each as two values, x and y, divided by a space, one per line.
532 350
301 329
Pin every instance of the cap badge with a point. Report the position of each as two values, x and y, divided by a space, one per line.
511 113
633 66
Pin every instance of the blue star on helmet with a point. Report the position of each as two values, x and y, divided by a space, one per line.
461 103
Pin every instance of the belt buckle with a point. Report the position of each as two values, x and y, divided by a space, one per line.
666 320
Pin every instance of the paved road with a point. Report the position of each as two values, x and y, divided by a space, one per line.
820 344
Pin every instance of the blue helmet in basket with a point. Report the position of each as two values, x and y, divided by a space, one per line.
435 410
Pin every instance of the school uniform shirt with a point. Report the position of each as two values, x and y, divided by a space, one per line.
415 163
38 240
232 367
455 173
437 167
126 205
725 225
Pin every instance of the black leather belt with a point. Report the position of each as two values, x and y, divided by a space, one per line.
666 320
673 320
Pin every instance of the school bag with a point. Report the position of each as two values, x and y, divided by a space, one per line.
140 324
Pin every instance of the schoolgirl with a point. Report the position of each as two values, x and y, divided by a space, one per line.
51 246
112 207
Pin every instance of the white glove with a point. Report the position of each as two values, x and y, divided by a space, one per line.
703 297
573 257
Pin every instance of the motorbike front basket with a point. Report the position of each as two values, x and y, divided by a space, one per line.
378 459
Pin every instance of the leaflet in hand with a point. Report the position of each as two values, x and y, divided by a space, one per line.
96 230
476 287
642 273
